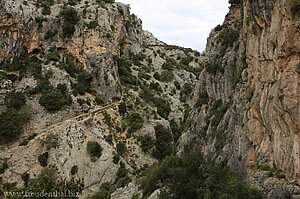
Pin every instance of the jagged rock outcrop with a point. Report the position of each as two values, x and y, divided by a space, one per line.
108 81
97 56
260 125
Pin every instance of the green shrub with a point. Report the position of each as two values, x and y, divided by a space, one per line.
71 69
107 118
41 3
51 141
92 24
109 139
157 76
79 88
163 107
166 76
177 85
134 122
218 111
84 79
193 177
186 60
228 36
74 170
53 56
94 149
176 129
122 108
136 196
163 142
116 158
147 94
121 148
72 2
15 99
3 167
46 10
43 159
213 67
50 34
27 139
202 99
137 59
155 86
68 30
71 18
122 172
169 64
25 177
39 21
99 100
54 100
186 91
12 123
147 142
81 101
144 75
235 2
125 72
105 1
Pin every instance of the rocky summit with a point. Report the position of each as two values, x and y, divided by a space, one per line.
92 106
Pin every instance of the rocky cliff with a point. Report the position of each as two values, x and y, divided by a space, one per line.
88 75
257 90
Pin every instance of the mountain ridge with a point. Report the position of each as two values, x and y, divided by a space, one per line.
106 98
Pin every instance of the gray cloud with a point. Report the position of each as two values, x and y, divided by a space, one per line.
180 22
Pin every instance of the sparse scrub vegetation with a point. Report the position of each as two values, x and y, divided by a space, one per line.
193 177
186 91
94 149
92 24
202 99
47 182
163 142
228 36
70 19
54 99
134 122
15 99
12 123
166 76
51 141
235 2
147 142
122 108
43 159
186 60
50 34
25 141
3 167
121 148
107 119
125 72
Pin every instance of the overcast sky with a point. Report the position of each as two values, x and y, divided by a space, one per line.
180 22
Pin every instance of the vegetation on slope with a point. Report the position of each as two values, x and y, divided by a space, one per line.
193 177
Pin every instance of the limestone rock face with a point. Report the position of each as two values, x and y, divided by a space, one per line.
108 59
238 101
260 125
